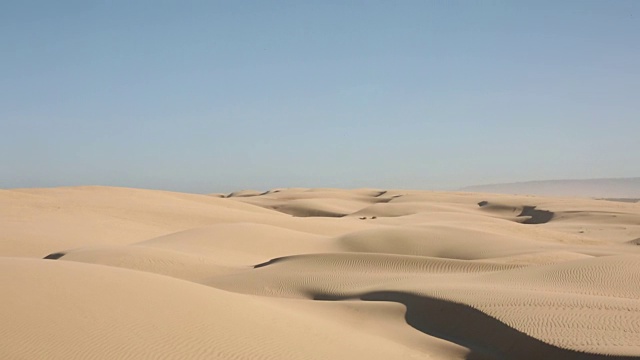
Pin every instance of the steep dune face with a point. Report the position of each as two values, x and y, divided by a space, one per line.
317 273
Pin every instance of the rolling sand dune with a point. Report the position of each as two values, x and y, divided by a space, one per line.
99 272
621 188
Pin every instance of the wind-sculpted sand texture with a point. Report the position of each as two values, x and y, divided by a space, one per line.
98 272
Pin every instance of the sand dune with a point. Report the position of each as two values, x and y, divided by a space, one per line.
69 310
317 274
621 188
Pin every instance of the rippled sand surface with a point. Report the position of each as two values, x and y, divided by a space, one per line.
117 273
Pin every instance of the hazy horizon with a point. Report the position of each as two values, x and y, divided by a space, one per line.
206 97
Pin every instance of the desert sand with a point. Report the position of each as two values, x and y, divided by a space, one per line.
119 273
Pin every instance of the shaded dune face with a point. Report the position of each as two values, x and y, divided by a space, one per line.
536 216
530 213
485 336
54 256
317 274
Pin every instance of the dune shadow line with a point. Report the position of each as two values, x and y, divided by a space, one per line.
485 336
536 216
55 256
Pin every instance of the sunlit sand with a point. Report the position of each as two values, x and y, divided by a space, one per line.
316 274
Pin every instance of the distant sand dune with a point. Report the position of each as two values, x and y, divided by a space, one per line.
317 274
594 188
527 214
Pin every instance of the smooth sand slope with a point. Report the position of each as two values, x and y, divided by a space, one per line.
116 273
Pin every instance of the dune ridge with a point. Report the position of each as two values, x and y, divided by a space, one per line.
317 273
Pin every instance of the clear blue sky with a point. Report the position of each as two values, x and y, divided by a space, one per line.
206 96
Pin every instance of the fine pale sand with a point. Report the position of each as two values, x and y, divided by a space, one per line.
316 274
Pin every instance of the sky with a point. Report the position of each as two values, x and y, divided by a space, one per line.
216 96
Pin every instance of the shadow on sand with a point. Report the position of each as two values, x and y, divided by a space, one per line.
486 337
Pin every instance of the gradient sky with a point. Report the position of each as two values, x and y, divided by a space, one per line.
215 96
